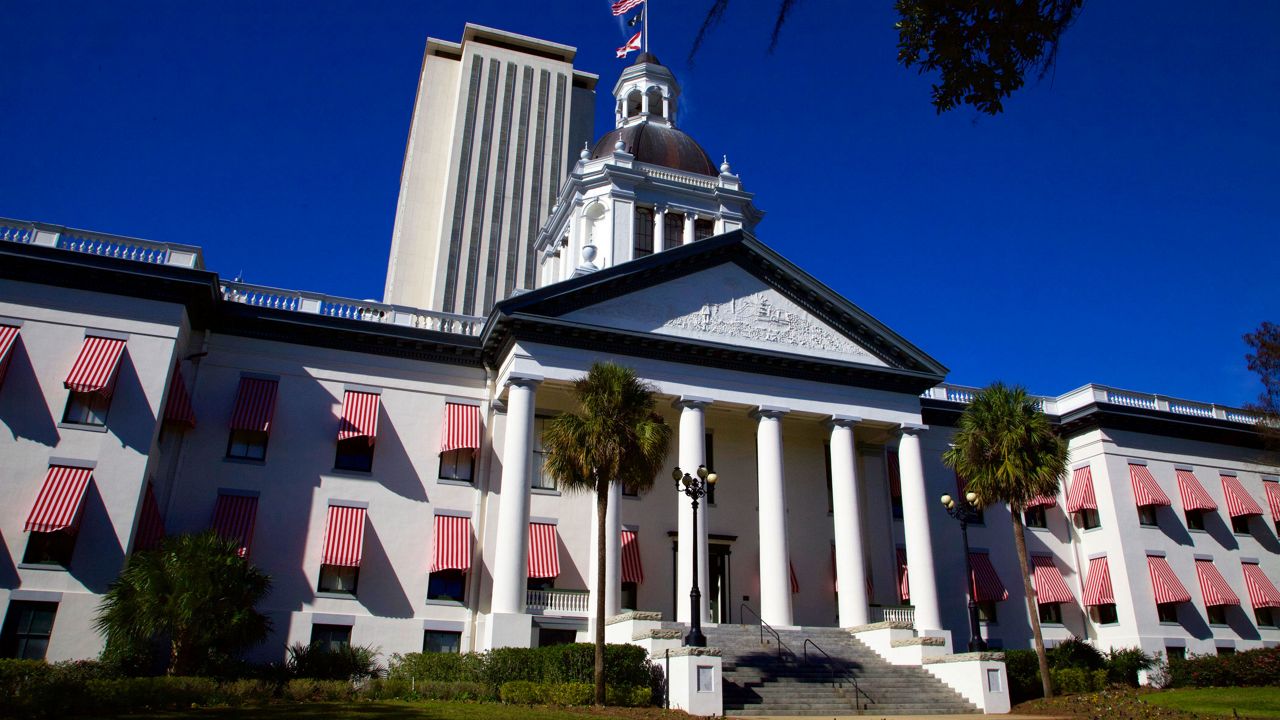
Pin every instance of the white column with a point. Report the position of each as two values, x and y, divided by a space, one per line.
915 522
510 562
666 109
688 227
775 579
612 554
693 429
847 518
644 103
659 228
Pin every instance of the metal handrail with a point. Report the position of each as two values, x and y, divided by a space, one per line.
745 608
834 668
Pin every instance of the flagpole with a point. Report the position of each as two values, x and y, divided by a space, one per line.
645 10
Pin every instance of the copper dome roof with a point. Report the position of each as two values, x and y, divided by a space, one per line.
657 143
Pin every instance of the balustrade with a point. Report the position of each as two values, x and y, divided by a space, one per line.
565 602
363 310
895 614
101 244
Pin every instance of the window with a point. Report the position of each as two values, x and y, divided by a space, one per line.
703 229
709 454
1266 617
447 585
458 464
339 579
331 637
629 593
1147 516
556 636
644 232
826 461
1035 517
50 548
1217 614
987 611
1175 653
1240 524
542 479
441 641
541 584
672 230
1167 612
1087 519
1051 613
86 408
1226 650
1104 614
247 445
354 454
27 628
1195 519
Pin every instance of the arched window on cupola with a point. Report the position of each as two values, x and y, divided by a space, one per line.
634 103
654 97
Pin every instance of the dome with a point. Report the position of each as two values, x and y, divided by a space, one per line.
658 144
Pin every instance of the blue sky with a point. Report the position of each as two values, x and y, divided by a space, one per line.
1117 224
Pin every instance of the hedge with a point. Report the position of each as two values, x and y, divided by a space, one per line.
524 692
1250 668
1075 666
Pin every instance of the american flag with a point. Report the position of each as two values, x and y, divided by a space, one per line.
632 44
625 6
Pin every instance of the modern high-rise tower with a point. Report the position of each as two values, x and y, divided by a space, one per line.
496 121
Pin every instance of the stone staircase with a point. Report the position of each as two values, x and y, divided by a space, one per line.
764 679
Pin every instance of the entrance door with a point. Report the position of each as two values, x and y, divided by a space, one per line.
720 607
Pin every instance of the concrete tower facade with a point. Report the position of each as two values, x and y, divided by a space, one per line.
496 120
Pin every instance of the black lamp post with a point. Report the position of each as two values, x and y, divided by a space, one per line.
695 488
965 510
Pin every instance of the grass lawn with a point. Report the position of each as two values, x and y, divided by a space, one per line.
1252 702
425 710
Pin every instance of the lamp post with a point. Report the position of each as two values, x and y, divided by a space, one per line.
695 487
965 510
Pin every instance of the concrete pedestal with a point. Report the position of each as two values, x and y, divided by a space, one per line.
979 677
695 680
507 630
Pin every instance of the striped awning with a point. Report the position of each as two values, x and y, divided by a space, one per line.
1042 501
453 544
544 552
1097 586
8 338
1273 497
95 369
58 505
904 586
1214 587
1166 585
150 523
359 416
233 519
795 582
1080 495
462 429
178 408
895 474
1050 587
1239 502
632 570
1146 491
1262 592
344 539
1193 493
987 586
255 405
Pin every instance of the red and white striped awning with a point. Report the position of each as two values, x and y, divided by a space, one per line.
150 523
1166 585
544 551
895 474
1193 493
1273 497
95 368
1050 587
1262 592
58 505
453 544
461 429
344 540
8 338
795 582
1042 501
255 405
1097 586
234 517
904 586
1239 502
1213 586
632 570
1146 491
1080 495
987 586
177 408
359 416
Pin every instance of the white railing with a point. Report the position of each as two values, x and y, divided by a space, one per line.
101 244
1101 393
960 395
1145 402
364 310
899 614
565 602
677 176
1187 408
1241 417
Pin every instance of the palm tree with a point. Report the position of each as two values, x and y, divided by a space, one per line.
615 438
195 593
1007 451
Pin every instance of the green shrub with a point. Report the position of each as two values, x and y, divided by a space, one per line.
1251 668
237 693
629 696
568 693
311 690
521 692
1076 653
504 665
1023 669
1071 681
1124 664
443 667
349 662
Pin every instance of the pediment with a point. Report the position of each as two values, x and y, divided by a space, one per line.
725 304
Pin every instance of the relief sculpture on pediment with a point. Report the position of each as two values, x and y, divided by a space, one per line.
757 317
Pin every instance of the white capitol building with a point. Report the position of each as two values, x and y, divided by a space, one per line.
381 460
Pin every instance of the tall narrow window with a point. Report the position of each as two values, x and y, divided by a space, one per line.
826 461
644 232
542 479
703 229
27 629
672 230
